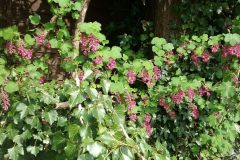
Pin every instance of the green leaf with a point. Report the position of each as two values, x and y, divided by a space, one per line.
70 149
73 130
34 150
107 139
9 33
63 3
29 40
158 41
58 140
35 19
76 98
51 116
77 6
14 152
116 52
232 39
11 87
106 86
54 43
99 113
92 93
95 149
117 87
23 109
87 73
168 47
3 136
226 89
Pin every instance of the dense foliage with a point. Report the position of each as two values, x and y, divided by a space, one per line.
102 102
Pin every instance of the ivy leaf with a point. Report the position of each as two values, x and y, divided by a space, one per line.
76 98
99 113
33 150
107 139
106 86
23 109
73 130
95 149
11 87
51 116
35 19
92 93
58 140
3 136
87 73
14 152
70 149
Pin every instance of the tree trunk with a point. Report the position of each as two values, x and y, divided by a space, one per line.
164 17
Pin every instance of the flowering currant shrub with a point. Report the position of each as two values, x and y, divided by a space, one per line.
91 101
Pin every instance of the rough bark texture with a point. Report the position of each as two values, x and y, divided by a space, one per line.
164 17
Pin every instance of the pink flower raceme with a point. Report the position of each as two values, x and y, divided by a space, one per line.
98 60
172 114
178 97
88 43
118 98
214 48
130 101
48 45
156 73
206 56
10 47
42 80
161 102
195 59
145 76
131 76
231 50
5 100
204 91
24 52
40 39
81 75
111 64
147 124
133 117
194 111
190 94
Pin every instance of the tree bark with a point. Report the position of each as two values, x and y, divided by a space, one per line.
164 17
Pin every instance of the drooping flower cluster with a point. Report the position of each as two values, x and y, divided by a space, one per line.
40 38
88 43
163 104
118 98
231 50
133 117
206 56
42 80
131 76
194 111
204 91
195 59
20 49
98 60
111 64
129 98
5 100
10 47
178 97
156 73
145 76
214 48
147 124
81 75
190 94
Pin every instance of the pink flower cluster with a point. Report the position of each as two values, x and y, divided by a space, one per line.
80 76
194 111
231 50
98 60
131 76
204 91
147 79
147 124
163 104
129 98
40 39
156 73
118 98
133 117
111 64
20 49
42 80
178 97
205 57
5 100
190 94
88 43
214 48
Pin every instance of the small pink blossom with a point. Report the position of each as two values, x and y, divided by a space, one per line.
206 56
5 100
131 76
133 117
111 64
178 97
